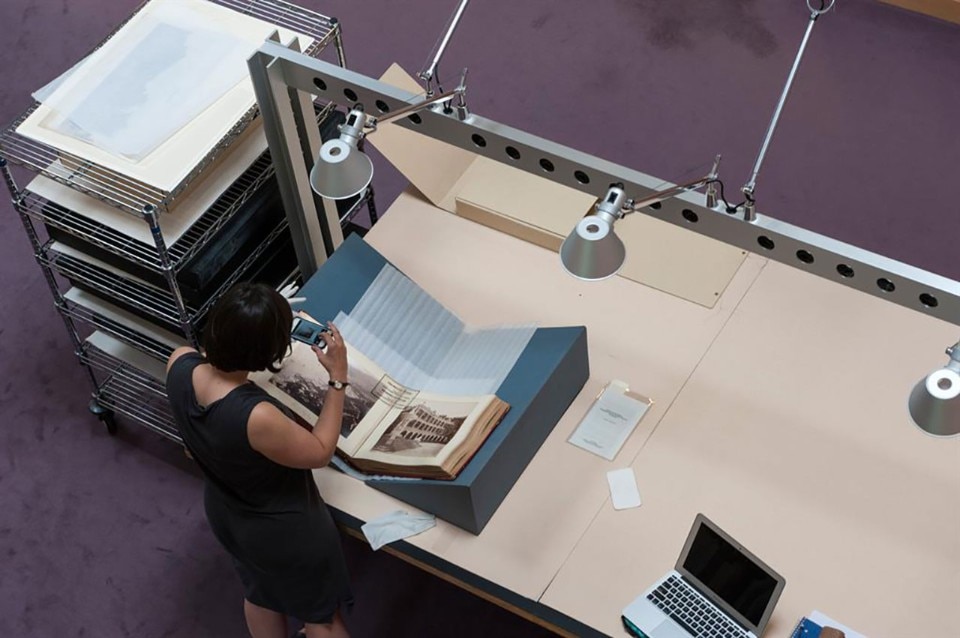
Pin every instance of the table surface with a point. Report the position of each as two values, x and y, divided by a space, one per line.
780 413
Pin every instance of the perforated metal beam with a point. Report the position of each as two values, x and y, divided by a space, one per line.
869 272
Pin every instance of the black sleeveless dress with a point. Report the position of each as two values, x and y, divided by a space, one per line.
269 517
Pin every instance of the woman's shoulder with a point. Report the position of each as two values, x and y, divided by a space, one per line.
180 367
183 353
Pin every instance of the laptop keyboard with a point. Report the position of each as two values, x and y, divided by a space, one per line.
691 611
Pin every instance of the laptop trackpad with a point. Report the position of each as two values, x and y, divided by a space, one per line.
669 629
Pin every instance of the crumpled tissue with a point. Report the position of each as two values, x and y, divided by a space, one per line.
394 526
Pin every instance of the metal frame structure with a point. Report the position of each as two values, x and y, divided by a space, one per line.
119 387
280 73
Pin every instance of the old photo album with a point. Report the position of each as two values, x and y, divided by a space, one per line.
422 394
388 428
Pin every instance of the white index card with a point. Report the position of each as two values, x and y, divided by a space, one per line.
623 488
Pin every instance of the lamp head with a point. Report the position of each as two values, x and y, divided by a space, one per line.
593 251
342 170
935 401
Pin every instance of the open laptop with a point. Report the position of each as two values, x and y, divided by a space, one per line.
717 589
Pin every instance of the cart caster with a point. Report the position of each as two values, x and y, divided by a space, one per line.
105 415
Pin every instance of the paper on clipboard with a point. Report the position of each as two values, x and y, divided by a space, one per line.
610 420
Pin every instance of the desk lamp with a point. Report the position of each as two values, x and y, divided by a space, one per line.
593 251
935 401
342 169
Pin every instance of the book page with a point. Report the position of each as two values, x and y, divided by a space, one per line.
301 385
424 432
423 345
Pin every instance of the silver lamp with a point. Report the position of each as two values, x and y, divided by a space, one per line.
342 170
935 401
593 251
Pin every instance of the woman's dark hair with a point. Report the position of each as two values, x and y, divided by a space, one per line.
248 329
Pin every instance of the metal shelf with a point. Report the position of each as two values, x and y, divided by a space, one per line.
123 332
130 195
127 390
141 296
143 254
146 255
125 353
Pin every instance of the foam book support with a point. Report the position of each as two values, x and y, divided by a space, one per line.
544 381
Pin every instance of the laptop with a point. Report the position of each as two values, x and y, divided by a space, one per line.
717 590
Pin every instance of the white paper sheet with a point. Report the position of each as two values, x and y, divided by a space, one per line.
423 345
173 160
825 621
610 420
165 70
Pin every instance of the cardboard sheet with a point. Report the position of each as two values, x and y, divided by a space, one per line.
174 222
543 212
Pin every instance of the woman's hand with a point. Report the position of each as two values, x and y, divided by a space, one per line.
334 359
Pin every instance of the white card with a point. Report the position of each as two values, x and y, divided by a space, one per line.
623 488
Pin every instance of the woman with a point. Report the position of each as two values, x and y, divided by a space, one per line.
260 497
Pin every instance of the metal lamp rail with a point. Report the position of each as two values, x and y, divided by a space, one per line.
869 272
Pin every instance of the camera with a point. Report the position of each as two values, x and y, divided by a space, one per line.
308 332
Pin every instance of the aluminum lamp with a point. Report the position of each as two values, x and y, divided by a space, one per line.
934 403
593 251
342 170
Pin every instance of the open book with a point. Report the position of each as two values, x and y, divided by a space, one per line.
388 428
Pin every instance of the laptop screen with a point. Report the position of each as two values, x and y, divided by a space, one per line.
731 574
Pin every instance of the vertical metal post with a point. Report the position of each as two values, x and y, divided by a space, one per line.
150 214
338 43
308 137
16 198
371 205
287 152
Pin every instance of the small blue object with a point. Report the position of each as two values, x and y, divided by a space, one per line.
632 629
806 628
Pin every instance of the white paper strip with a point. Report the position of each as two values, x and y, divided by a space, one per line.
423 345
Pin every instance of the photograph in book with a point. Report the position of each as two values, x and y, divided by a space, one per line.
424 428
387 428
304 380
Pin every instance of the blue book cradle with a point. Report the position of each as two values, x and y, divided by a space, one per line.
549 374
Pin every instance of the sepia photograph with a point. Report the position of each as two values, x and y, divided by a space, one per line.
423 428
304 380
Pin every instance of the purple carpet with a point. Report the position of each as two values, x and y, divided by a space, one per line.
103 537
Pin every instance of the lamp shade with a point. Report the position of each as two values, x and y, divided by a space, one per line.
341 170
592 251
935 403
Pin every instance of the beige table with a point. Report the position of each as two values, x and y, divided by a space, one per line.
793 435
556 543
